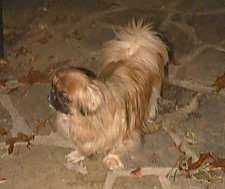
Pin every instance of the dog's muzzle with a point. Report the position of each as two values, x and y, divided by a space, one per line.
59 102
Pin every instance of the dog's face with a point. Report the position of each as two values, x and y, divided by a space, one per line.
74 90
59 100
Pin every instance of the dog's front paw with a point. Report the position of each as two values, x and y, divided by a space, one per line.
74 162
113 162
153 113
78 167
74 157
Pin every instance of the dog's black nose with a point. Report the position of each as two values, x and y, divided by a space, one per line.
50 98
58 102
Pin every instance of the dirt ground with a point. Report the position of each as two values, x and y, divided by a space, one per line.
43 35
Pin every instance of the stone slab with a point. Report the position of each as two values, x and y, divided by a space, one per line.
203 68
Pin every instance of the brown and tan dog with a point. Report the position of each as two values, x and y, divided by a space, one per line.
106 113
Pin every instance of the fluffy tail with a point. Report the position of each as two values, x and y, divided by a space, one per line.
137 41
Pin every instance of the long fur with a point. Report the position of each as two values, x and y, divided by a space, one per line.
109 112
137 42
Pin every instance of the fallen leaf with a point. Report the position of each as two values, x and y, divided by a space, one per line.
5 67
34 76
21 137
218 163
11 84
21 51
3 62
41 36
8 86
2 84
202 159
53 67
208 162
3 180
220 83
42 123
44 39
137 172
3 131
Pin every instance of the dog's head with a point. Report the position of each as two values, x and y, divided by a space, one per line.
75 90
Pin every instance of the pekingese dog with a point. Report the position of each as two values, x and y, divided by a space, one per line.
106 113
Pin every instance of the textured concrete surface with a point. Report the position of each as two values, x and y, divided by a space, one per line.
43 33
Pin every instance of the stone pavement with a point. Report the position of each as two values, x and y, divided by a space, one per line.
71 32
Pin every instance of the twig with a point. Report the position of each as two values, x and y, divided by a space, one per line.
194 86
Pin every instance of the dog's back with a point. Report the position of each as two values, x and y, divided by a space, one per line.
136 41
133 66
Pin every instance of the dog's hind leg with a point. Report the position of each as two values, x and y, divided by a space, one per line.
113 161
156 89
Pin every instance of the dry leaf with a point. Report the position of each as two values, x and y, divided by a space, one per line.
56 65
3 180
205 159
3 62
5 67
202 159
2 84
53 67
42 36
218 163
8 86
21 51
220 83
137 172
44 39
3 131
21 137
42 123
34 76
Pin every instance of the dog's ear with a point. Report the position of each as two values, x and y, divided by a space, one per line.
90 99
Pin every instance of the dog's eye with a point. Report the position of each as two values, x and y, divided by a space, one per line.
62 96
82 112
52 85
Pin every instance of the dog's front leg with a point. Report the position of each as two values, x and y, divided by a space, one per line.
74 161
